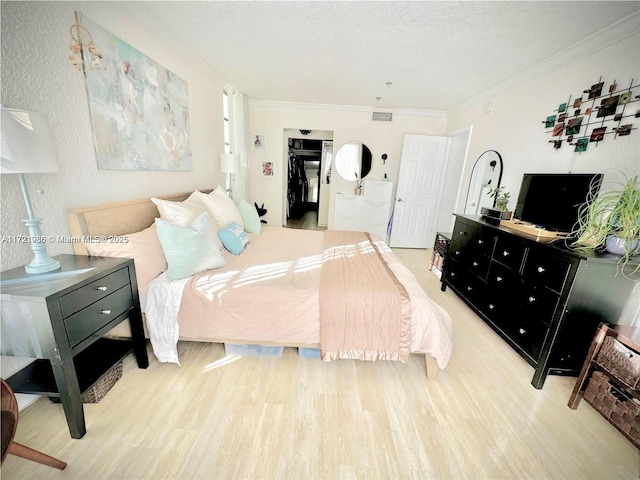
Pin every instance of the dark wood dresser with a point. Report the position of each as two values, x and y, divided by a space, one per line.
545 299
60 318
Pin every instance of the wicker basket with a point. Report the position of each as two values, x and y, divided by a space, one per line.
615 404
98 390
621 361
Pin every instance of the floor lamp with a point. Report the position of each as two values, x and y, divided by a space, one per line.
229 164
27 147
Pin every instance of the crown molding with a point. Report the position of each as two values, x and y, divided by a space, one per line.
348 108
627 26
307 106
421 113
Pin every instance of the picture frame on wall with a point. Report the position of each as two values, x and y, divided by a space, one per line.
259 141
267 169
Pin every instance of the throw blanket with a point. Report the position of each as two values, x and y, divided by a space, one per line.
365 311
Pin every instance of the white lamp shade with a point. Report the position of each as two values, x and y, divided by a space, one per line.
229 163
27 145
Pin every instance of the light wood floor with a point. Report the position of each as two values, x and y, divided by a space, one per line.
304 419
308 221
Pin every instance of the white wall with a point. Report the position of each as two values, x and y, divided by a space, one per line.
348 124
514 128
37 76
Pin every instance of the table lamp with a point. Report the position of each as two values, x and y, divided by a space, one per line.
27 147
229 164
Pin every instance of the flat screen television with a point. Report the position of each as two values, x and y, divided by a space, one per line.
551 200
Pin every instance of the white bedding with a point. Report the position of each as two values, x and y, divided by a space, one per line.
288 312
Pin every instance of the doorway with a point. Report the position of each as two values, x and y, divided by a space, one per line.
306 162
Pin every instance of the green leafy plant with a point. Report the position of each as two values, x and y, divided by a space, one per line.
500 197
613 212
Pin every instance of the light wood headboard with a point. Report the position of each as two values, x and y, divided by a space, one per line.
114 218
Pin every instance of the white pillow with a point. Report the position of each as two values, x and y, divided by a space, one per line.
189 249
183 213
250 217
145 249
221 207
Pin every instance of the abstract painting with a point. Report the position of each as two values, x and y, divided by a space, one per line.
139 109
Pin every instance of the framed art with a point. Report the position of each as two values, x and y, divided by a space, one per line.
139 110
267 169
259 141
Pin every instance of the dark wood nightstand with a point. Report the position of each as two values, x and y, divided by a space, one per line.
60 317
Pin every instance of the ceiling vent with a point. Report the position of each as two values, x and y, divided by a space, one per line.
382 116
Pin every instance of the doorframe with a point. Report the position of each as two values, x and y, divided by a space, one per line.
288 133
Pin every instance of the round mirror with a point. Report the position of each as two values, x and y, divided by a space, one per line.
486 174
353 161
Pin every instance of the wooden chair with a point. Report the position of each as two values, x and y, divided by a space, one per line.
9 424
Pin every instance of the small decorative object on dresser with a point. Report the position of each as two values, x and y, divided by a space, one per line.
610 376
59 318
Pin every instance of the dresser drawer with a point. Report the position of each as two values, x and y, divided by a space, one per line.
457 251
546 270
538 304
483 241
509 251
86 322
462 233
529 335
502 279
94 291
478 264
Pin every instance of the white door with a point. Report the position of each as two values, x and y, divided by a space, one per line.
422 168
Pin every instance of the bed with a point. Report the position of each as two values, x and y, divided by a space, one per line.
343 292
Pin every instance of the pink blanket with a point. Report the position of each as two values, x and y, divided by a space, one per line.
365 311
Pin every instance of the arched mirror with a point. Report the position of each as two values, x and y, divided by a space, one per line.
353 161
486 174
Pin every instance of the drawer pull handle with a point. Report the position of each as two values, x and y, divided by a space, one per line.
469 289
453 274
102 289
532 299
498 279
480 242
491 306
505 253
462 232
522 331
541 269
458 252
475 264
106 311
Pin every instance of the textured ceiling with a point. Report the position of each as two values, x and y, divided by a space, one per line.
436 54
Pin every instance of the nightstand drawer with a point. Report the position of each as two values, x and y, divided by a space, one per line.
94 291
86 322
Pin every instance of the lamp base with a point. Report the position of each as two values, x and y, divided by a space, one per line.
42 265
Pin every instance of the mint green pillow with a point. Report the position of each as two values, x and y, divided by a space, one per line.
189 249
250 217
234 238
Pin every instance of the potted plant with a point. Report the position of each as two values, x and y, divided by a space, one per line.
500 198
610 220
